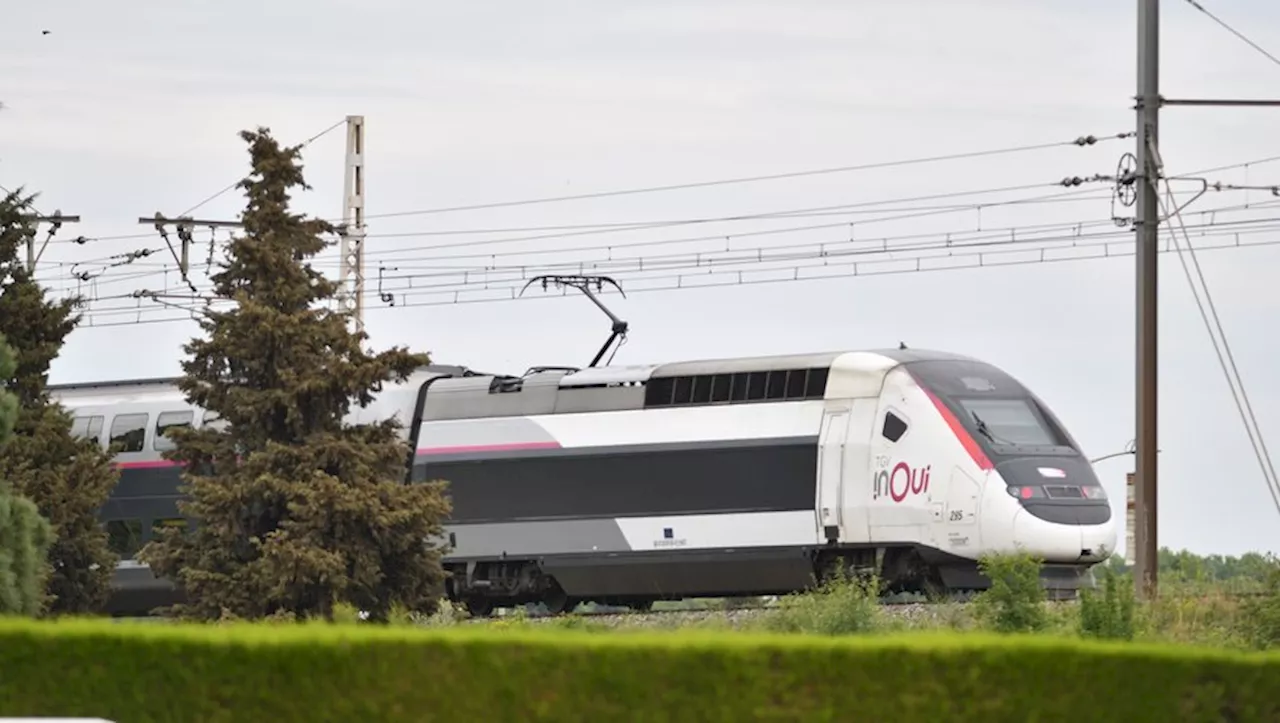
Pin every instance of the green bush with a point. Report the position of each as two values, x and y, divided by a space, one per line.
377 674
841 605
25 537
1260 615
1111 614
1015 600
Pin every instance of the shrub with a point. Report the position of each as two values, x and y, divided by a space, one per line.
320 672
1260 615
1111 614
1015 600
25 538
841 605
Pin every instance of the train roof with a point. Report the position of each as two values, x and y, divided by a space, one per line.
593 376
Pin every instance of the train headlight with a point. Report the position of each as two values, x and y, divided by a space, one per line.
1094 492
1025 492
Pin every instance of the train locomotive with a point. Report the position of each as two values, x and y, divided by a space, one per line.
624 485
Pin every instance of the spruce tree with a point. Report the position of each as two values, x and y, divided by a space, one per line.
294 510
69 479
24 534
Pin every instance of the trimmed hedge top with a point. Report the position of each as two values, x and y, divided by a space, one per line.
138 673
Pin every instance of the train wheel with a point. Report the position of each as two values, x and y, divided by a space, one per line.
479 607
557 600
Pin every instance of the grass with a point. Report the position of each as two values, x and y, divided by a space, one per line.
1186 613
1237 615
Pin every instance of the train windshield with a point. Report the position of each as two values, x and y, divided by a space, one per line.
1009 422
1000 413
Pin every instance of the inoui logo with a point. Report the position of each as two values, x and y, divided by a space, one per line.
901 481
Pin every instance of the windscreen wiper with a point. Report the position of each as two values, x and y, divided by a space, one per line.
985 431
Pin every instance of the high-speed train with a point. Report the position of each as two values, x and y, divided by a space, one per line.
733 477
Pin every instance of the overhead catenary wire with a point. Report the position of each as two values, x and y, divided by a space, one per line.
237 182
684 281
194 305
1088 140
704 259
1226 359
1195 4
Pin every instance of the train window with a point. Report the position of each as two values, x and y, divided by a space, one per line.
658 392
702 389
1010 421
174 522
737 387
87 427
684 390
128 431
167 421
816 384
795 383
213 420
124 537
777 386
721 387
894 427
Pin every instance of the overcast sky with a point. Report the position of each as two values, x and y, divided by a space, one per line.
125 110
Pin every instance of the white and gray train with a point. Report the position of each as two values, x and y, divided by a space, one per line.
629 484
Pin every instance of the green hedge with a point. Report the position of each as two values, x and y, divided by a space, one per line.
136 673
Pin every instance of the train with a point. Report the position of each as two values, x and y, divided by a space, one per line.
625 485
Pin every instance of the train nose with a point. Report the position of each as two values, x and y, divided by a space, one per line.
1062 543
1064 514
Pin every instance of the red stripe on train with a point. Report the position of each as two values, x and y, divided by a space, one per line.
149 464
966 440
511 447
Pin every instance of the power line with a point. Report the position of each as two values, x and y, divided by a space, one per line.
1233 31
196 304
866 207
795 273
827 254
1080 141
1228 365
237 182
1067 230
722 237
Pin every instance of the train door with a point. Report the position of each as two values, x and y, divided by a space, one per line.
831 466
855 499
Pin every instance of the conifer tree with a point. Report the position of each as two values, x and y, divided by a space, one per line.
294 510
69 479
24 535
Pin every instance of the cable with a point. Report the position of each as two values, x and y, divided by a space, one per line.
680 280
1233 31
636 269
687 239
1229 368
1081 141
849 209
611 248
304 144
779 215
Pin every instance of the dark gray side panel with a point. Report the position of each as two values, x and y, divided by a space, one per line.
636 481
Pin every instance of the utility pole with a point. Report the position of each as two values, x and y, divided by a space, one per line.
1146 176
351 269
1146 230
57 219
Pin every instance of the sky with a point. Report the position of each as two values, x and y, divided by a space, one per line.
120 112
